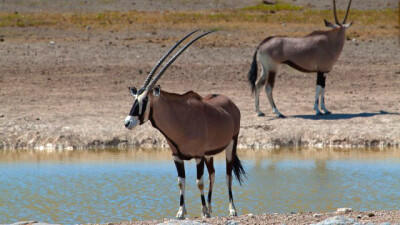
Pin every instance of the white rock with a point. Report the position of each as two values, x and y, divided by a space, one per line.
338 220
51 42
344 210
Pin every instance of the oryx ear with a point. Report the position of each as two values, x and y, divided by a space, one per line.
347 25
133 91
156 90
329 24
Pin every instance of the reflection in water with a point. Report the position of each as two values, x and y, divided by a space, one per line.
105 186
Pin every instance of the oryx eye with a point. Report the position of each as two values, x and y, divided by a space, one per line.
133 90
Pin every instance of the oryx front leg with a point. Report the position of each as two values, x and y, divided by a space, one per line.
211 172
200 185
320 91
229 168
180 167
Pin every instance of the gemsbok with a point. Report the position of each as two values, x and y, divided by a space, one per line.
316 52
195 127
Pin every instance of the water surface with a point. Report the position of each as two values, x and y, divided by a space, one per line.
105 186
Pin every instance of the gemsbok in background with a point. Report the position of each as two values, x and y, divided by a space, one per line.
195 127
316 52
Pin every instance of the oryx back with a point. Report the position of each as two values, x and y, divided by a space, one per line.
194 125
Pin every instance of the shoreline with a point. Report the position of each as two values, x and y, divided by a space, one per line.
345 216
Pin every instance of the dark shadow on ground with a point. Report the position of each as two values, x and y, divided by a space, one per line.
343 116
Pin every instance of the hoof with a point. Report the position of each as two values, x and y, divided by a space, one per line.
232 213
281 116
260 114
206 215
205 212
181 214
327 113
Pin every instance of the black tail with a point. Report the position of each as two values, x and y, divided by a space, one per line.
238 169
252 75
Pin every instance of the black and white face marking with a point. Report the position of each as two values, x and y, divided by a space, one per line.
139 113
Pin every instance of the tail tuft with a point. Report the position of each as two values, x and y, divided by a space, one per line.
252 75
237 165
238 169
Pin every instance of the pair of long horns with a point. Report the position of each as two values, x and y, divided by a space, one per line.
335 15
149 85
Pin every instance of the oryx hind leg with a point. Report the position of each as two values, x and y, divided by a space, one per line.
259 84
180 167
269 70
200 185
268 89
211 173
320 91
229 167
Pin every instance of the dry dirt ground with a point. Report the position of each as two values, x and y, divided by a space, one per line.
372 217
67 88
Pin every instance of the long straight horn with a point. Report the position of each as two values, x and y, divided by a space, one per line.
347 13
148 78
334 12
154 81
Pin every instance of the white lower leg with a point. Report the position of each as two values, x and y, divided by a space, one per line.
326 111
232 209
204 209
268 89
317 94
182 209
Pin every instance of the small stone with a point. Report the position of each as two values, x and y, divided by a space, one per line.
52 43
371 214
359 216
231 222
317 215
344 210
38 118
2 115
24 222
1 39
250 215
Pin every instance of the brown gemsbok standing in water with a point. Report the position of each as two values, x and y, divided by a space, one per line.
316 52
194 127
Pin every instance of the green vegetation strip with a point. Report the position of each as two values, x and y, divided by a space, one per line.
278 13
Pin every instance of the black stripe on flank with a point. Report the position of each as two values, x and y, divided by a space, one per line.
216 151
297 67
182 201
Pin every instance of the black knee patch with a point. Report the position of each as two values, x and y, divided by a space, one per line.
321 79
180 168
203 200
182 201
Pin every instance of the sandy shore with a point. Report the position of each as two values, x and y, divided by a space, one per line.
64 89
370 217
73 94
